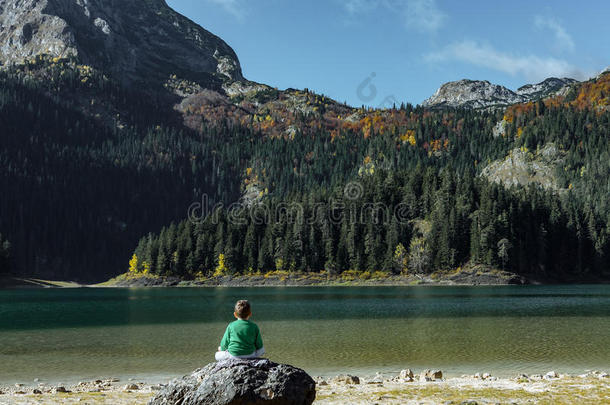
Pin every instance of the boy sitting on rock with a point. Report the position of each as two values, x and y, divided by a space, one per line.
242 339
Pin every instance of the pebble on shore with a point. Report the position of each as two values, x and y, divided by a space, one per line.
346 379
406 374
551 374
339 385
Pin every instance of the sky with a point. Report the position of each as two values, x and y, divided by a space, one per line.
379 52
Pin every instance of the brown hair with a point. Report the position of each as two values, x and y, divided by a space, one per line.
242 309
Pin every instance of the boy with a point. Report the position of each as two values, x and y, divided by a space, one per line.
242 339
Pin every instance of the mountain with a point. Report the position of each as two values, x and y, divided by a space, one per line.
545 88
472 94
135 40
482 94
122 117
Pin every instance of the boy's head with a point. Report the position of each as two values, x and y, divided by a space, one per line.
242 309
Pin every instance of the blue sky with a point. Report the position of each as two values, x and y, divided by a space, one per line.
374 52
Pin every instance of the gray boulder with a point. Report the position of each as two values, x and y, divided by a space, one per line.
240 382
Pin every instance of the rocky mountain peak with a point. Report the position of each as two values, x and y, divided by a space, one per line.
472 94
545 88
132 39
483 94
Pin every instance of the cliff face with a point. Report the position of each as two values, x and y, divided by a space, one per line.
132 39
522 168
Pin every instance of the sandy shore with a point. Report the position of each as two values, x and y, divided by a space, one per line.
590 388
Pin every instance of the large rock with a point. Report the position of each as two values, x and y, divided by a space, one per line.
523 167
242 382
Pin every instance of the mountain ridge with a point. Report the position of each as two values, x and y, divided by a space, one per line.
477 94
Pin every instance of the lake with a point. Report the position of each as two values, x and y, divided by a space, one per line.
66 335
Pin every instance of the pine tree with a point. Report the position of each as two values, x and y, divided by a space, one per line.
250 248
389 264
419 255
370 248
330 263
265 252
163 260
504 247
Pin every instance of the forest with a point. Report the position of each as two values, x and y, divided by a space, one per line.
90 167
415 221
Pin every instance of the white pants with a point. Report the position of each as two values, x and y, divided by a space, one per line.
225 355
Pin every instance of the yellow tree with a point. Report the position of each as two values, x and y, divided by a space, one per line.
133 264
221 269
401 256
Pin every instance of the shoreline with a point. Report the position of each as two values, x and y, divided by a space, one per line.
427 386
469 276
466 277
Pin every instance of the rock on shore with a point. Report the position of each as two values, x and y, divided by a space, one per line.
407 387
257 381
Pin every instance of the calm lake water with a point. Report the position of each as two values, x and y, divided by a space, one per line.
66 335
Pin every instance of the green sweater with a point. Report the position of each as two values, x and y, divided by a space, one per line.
241 338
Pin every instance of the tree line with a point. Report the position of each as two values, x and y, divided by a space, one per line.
416 221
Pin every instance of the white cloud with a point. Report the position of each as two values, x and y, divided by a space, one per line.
234 7
420 15
564 40
424 15
533 68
